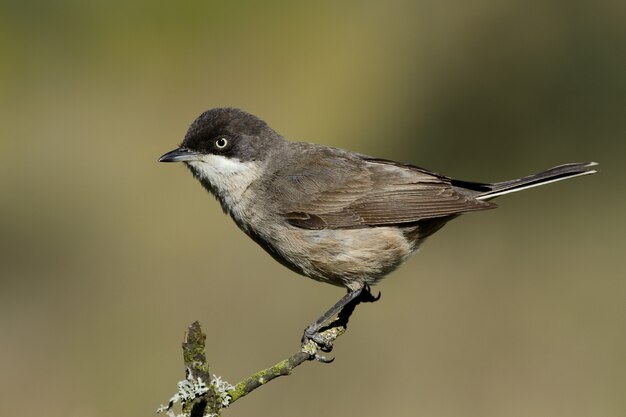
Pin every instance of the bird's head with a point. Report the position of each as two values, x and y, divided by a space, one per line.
226 149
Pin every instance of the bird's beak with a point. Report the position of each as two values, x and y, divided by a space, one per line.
179 155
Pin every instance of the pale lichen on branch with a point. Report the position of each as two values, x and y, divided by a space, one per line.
203 394
198 398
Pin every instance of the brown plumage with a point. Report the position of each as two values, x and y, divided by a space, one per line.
334 189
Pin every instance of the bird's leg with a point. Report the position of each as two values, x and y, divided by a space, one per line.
342 308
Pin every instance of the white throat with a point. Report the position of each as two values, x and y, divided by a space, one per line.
229 178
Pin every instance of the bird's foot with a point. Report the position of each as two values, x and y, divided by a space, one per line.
317 336
333 323
366 296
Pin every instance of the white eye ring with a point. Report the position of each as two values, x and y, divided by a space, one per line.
221 143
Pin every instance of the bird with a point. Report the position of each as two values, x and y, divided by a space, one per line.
330 214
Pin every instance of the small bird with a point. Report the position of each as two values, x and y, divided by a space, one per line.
330 214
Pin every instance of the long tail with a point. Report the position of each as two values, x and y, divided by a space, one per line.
559 173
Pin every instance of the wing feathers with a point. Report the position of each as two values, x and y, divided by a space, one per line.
352 191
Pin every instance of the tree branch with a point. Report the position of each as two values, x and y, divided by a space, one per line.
204 394
284 367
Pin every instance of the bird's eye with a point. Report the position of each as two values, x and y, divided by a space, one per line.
221 143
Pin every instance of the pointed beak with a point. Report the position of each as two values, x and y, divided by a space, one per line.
180 155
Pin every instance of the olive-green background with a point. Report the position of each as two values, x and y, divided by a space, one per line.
106 256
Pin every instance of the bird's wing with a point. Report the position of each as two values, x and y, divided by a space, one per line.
355 191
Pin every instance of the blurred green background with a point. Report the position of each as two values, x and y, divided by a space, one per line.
106 256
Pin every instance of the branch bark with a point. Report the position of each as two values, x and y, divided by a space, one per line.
204 394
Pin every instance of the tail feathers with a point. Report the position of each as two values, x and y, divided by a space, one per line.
559 173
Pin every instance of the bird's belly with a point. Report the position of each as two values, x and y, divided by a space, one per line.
344 257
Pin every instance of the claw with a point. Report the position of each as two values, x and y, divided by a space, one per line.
326 347
366 295
323 359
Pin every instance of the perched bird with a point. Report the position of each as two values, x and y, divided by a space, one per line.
330 214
